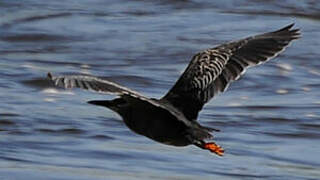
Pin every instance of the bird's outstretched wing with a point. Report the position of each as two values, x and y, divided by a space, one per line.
95 84
211 71
91 83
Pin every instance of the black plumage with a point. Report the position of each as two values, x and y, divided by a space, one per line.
172 119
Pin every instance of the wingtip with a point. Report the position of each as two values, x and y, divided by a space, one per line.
294 33
290 25
287 28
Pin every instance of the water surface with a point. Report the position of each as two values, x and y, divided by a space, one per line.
269 120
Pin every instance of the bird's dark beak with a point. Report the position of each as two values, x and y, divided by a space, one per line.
114 105
100 103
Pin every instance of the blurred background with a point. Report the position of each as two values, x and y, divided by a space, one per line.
269 120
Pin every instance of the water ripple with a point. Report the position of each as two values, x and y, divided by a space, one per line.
269 120
66 131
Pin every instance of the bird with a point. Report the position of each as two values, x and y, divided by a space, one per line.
172 119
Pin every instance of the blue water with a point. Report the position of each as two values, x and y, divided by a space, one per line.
269 120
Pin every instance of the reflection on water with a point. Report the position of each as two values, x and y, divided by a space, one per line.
269 120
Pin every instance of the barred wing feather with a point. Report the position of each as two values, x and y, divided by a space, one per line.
91 83
211 71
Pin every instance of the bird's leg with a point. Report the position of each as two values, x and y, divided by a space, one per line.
211 146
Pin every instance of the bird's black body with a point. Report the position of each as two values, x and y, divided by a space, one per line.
155 123
172 119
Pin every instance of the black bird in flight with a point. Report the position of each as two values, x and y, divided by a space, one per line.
172 120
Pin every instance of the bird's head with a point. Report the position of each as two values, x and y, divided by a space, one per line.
118 105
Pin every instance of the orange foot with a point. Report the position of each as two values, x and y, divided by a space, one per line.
213 147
